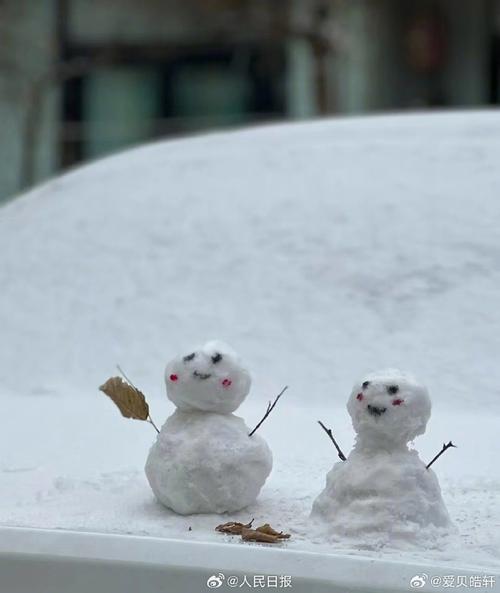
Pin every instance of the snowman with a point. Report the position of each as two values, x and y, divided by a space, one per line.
203 460
383 490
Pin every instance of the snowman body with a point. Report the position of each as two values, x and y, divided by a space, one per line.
383 490
203 460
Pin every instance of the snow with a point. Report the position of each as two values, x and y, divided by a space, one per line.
388 409
205 462
209 378
85 471
383 494
319 251
378 499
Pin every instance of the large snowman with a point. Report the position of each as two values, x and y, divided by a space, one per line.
383 490
203 460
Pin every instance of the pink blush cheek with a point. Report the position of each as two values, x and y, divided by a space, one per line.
359 397
226 383
397 402
174 378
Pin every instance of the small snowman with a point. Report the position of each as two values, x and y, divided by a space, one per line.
383 489
204 460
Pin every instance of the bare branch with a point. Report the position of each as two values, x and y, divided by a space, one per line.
270 407
329 433
445 448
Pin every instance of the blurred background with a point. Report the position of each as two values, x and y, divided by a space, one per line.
80 79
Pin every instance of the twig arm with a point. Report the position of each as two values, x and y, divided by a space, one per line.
150 420
332 438
446 446
270 407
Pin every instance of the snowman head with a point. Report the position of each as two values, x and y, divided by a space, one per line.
210 378
389 406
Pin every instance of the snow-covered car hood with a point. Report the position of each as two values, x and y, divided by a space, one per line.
320 251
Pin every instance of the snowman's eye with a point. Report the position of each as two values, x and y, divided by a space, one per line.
217 357
392 389
189 357
365 384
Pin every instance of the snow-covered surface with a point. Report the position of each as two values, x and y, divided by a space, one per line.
61 561
319 251
82 469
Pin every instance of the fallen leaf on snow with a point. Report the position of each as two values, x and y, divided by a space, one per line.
233 527
266 528
256 535
265 533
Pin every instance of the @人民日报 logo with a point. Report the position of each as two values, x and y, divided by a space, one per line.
215 581
418 581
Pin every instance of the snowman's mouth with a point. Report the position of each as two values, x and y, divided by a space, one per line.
201 376
375 411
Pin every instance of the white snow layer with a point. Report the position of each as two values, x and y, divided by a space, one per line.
319 251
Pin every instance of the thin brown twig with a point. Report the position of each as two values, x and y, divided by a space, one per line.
149 419
122 373
332 438
445 448
270 407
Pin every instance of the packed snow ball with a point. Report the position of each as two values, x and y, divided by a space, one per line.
210 378
389 406
203 460
383 493
206 463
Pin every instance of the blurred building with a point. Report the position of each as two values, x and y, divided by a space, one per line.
82 78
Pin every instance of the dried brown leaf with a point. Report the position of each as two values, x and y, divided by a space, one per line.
233 527
252 535
266 528
128 399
